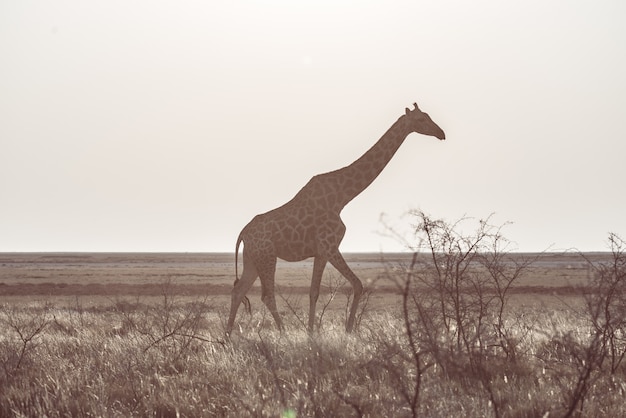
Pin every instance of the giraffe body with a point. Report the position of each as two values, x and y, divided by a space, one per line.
309 225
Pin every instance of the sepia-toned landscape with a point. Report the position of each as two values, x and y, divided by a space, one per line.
114 334
160 161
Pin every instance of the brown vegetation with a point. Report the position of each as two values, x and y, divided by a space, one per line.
454 329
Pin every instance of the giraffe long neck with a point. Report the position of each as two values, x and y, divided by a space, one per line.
361 173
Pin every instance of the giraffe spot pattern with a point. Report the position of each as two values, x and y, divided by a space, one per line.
309 225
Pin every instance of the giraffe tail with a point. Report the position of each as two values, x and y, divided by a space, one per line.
246 301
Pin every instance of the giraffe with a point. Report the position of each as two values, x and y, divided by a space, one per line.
309 225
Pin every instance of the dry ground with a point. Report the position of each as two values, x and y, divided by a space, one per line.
98 278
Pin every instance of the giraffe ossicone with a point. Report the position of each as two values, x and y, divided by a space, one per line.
309 225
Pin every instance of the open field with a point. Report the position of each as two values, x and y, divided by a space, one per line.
97 277
143 335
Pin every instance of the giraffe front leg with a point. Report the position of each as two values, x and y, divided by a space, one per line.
318 270
267 271
337 260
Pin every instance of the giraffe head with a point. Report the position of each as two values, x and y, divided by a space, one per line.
420 122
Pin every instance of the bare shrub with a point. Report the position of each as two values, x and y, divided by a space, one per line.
334 284
454 299
416 357
462 282
584 361
26 327
172 325
606 303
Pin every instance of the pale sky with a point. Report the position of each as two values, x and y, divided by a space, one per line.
167 126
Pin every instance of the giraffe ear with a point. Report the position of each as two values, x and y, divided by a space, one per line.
407 111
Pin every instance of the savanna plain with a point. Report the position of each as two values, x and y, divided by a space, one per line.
438 334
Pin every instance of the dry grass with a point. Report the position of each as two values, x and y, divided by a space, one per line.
170 359
71 346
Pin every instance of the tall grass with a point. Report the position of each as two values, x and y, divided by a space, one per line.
450 346
125 360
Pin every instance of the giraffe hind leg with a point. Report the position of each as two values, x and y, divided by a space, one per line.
238 294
